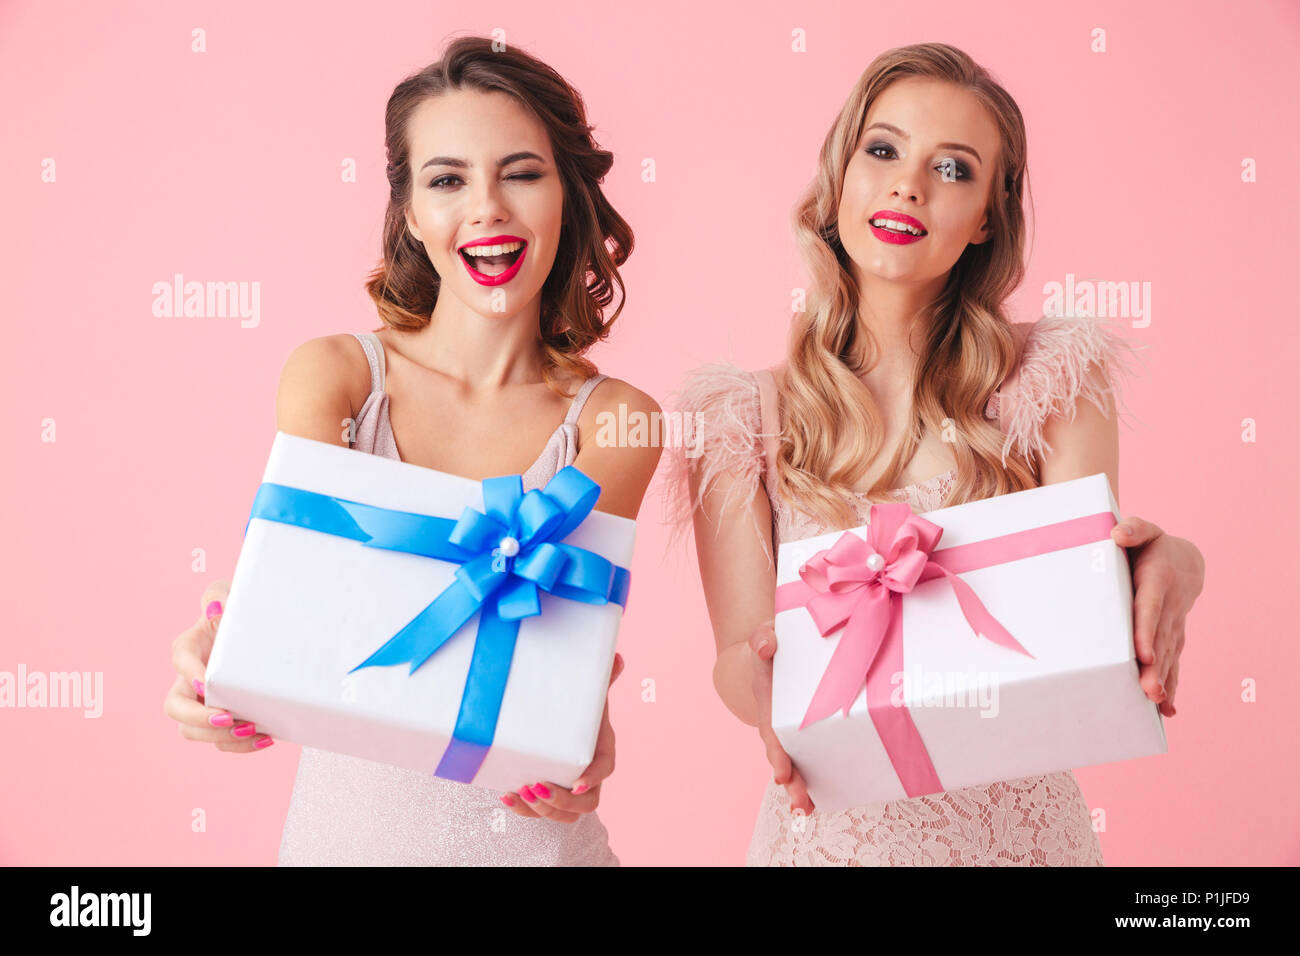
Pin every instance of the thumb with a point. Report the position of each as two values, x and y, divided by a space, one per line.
1134 532
762 640
213 602
194 648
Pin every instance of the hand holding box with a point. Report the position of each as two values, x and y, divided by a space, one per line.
882 687
425 620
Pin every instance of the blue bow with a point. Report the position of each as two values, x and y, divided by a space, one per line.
505 554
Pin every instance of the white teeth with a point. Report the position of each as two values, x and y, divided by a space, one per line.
492 250
895 226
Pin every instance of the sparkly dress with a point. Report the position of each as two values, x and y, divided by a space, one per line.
346 811
1039 820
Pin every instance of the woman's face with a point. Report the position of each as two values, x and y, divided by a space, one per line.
483 170
926 160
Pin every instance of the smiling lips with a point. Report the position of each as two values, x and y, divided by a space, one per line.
896 228
494 250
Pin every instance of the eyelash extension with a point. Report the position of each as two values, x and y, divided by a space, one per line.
528 177
962 169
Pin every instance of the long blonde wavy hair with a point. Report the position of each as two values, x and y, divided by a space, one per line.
832 429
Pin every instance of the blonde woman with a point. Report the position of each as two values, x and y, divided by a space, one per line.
905 381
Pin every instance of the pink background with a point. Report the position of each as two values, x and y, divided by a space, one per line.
225 165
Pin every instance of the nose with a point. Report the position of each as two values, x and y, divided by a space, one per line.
486 205
908 185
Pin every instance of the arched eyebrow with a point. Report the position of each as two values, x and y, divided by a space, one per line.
463 164
898 132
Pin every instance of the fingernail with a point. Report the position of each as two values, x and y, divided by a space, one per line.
263 743
542 791
527 795
581 788
244 730
1126 529
221 720
214 608
508 800
198 687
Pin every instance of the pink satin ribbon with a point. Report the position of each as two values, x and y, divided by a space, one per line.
859 585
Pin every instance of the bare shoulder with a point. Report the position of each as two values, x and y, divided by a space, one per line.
621 437
323 381
613 393
618 408
339 359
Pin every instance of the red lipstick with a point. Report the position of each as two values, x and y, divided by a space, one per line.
504 277
893 236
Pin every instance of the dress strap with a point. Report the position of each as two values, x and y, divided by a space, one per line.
374 350
769 418
580 399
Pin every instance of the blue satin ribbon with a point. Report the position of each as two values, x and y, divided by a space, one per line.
506 554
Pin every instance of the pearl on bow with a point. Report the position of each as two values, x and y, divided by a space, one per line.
875 561
506 549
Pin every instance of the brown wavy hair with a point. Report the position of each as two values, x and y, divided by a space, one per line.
831 426
594 240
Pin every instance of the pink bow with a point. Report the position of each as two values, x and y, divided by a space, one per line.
858 585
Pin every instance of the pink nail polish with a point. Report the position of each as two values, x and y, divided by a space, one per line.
527 795
214 608
244 730
508 800
263 743
221 720
581 788
542 791
198 687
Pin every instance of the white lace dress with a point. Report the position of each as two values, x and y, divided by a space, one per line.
1040 820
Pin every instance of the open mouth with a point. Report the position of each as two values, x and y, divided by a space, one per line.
898 228
492 261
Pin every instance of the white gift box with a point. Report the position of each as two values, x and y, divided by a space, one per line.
306 607
983 712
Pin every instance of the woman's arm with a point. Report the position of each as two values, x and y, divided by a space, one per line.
623 473
733 541
1168 572
739 578
315 384
312 402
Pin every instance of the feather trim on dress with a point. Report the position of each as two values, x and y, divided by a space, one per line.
721 434
1053 374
